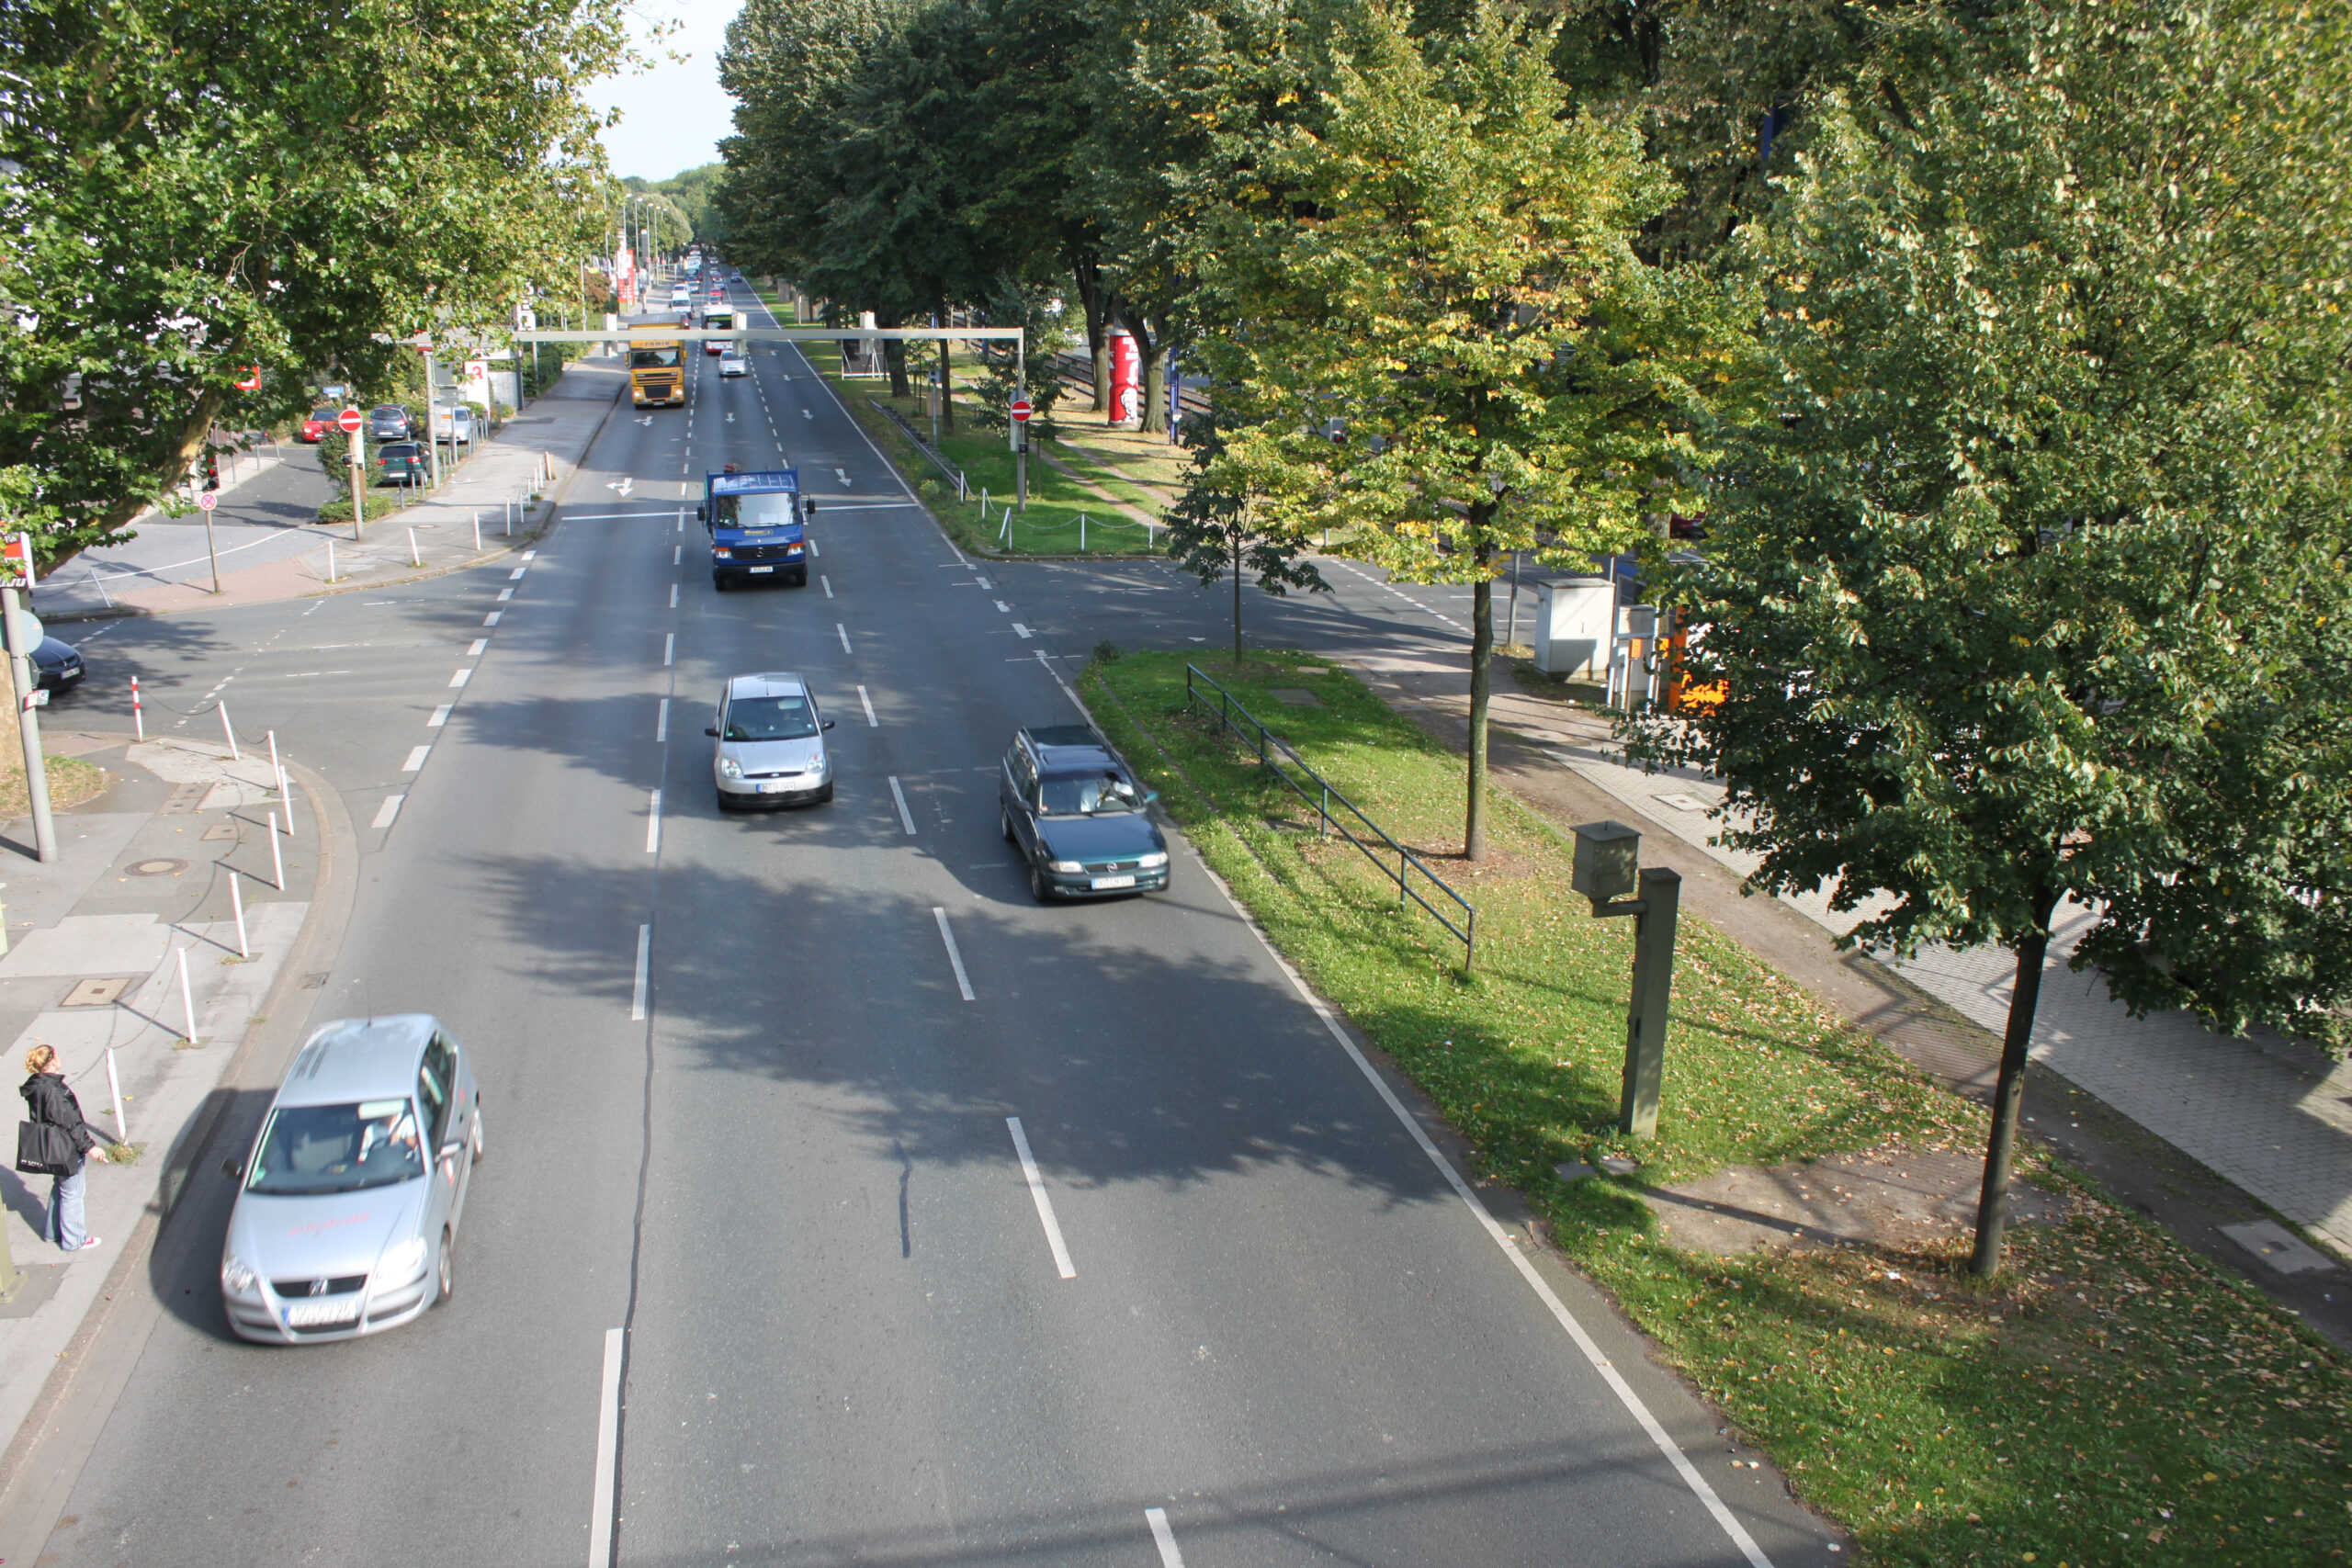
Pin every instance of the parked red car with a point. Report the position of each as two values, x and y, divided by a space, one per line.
321 419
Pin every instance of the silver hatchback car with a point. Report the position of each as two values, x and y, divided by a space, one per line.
349 1202
771 747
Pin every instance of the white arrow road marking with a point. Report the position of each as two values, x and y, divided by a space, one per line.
805 415
730 419
843 476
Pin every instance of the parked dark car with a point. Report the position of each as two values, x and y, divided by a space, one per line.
402 461
319 423
389 422
57 666
1077 816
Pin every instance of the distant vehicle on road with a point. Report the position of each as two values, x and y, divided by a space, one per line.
402 462
681 294
771 748
732 364
57 666
656 379
454 424
1077 816
318 423
347 1207
718 320
758 524
389 422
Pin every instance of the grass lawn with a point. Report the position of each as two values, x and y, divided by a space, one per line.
71 782
2110 1400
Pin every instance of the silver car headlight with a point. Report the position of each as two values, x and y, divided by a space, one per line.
1153 861
237 1276
1066 867
728 768
402 1263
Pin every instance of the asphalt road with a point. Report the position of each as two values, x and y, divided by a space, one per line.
927 1225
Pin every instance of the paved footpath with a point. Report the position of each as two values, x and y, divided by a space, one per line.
2270 1114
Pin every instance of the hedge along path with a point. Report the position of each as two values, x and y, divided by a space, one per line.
2111 1399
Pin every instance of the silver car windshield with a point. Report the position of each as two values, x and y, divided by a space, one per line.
1086 795
312 1149
770 718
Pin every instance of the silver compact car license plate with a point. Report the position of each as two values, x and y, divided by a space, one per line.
318 1314
1101 883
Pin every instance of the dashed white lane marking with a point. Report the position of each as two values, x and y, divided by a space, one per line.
460 678
1022 629
844 631
416 759
386 812
644 974
608 1449
813 551
826 584
955 957
1037 1183
1416 604
492 619
1163 1537
872 722
480 645
504 594
530 555
906 820
677 555
440 716
517 574
653 824
1004 607
669 648
673 596
662 723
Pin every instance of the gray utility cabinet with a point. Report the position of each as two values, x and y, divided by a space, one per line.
1575 618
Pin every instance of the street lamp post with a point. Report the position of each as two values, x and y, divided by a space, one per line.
1607 857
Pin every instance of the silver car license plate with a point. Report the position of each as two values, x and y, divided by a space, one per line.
317 1315
761 569
1103 882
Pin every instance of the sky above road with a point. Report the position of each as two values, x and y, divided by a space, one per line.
673 113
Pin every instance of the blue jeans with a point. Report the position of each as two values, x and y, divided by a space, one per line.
65 1211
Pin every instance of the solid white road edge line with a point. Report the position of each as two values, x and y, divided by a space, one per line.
871 722
609 1440
906 820
1163 1537
954 958
644 974
1577 1332
653 824
386 812
1036 1185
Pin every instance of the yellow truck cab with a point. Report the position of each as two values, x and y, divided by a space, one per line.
656 370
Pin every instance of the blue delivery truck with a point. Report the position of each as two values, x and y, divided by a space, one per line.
759 526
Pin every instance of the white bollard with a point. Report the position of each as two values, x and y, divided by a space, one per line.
477 530
237 908
277 854
507 507
230 733
114 1082
275 770
984 501
187 1001
138 719
330 560
413 558
1082 533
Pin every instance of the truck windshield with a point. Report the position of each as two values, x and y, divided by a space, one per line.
648 359
770 718
771 509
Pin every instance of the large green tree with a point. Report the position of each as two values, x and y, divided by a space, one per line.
2034 587
1441 340
189 188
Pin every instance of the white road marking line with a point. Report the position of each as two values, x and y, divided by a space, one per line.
516 573
985 584
653 824
826 584
530 555
872 722
1006 608
504 594
662 723
644 974
608 1449
480 644
416 759
673 596
844 631
1063 685
1036 1183
386 812
843 476
492 619
1163 1537
461 677
677 555
805 415
669 647
682 520
440 716
906 820
813 551
1022 629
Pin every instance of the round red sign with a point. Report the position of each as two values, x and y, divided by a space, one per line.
348 421
1021 410
208 501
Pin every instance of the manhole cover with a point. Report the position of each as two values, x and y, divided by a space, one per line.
158 867
95 993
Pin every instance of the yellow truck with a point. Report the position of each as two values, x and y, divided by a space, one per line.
657 375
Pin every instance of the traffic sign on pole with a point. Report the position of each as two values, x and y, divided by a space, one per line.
348 421
208 501
1021 410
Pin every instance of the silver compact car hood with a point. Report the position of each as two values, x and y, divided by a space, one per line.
326 1235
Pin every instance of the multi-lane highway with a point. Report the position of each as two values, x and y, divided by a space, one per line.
841 1204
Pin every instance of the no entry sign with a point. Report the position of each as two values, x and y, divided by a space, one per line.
348 421
1021 410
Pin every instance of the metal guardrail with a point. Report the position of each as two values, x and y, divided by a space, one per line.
1270 747
954 474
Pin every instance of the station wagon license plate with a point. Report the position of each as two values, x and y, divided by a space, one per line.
1103 882
317 1315
755 570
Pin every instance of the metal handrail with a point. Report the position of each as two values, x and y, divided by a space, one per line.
1270 746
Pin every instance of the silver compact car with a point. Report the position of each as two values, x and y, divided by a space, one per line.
348 1206
771 748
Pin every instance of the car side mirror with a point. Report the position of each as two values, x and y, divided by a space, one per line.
711 730
829 724
1150 796
231 1169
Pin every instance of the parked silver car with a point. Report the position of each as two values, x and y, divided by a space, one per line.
349 1202
771 748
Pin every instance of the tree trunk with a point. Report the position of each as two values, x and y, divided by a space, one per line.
894 354
946 389
1098 342
1482 669
2009 1091
1236 601
1155 393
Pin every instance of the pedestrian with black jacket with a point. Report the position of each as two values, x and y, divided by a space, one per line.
47 1099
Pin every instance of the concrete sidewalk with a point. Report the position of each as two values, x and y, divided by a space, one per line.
97 941
2271 1116
491 502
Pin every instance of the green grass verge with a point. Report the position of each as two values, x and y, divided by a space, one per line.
2111 1399
382 501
